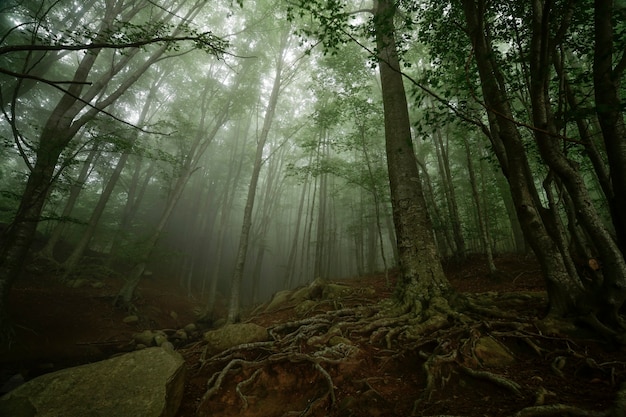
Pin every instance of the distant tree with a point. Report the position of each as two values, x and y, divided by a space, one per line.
80 100
422 278
242 252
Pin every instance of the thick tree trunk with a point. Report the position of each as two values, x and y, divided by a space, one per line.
19 235
609 109
422 276
614 267
443 235
565 292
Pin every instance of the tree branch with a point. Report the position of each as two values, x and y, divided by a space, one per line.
217 49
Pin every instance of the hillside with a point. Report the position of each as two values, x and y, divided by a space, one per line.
335 352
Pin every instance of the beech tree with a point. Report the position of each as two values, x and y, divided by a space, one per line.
422 278
81 97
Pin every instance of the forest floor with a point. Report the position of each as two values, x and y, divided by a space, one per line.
433 375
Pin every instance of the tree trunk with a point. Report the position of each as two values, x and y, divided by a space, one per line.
58 131
72 262
321 229
443 236
235 290
422 276
197 148
614 267
480 213
565 292
76 188
448 187
609 108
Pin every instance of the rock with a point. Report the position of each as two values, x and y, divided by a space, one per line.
278 300
233 335
304 307
130 319
159 339
491 353
180 335
335 291
190 328
219 322
144 338
143 383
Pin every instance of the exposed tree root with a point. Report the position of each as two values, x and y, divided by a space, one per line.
559 410
452 347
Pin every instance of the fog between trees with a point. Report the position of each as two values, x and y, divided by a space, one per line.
146 136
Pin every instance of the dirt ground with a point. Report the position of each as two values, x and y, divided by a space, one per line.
59 327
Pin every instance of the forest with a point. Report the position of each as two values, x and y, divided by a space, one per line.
241 149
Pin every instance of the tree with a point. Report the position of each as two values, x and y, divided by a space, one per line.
422 275
235 291
422 278
608 70
76 105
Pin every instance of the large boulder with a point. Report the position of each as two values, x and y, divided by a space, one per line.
145 383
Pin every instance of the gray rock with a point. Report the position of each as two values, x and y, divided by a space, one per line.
233 335
145 383
144 338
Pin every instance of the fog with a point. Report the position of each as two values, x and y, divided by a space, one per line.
151 150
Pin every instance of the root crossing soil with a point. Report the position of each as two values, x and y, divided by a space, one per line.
345 356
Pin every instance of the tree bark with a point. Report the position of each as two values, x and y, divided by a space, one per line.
235 290
446 178
541 55
609 108
480 213
57 233
422 276
565 292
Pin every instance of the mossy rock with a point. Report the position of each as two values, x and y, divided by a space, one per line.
278 300
233 335
492 353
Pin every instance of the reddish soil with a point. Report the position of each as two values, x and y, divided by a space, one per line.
59 326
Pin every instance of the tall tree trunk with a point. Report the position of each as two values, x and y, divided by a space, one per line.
242 252
446 178
322 227
443 235
59 129
71 262
199 145
422 276
565 292
234 174
293 250
135 194
609 108
480 213
57 233
614 267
